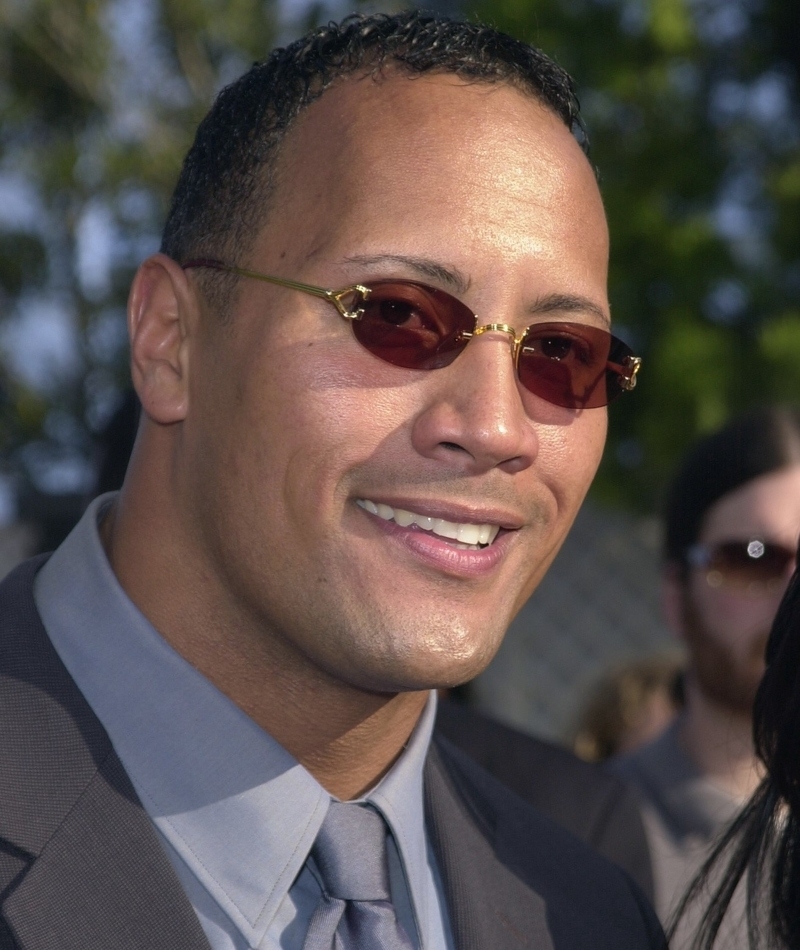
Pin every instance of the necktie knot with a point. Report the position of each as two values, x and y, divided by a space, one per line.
356 912
350 853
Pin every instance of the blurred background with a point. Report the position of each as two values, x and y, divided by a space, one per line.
693 114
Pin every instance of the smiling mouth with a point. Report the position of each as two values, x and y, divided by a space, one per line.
471 537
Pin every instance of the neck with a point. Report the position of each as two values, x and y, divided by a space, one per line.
719 741
345 736
352 759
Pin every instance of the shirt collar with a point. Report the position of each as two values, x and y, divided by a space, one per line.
240 811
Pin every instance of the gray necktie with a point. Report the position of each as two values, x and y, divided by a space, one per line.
356 912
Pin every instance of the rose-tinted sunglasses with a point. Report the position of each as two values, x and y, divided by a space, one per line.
752 566
410 324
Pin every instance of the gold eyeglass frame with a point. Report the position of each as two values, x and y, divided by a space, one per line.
628 371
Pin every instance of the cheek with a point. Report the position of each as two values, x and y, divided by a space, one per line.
570 452
305 406
330 431
733 619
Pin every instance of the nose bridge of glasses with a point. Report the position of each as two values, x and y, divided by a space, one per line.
514 340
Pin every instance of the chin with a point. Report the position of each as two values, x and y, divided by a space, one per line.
433 670
391 654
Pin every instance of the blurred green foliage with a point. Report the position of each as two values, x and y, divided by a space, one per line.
693 116
99 100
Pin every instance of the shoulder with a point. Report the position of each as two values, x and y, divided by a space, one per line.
516 856
38 691
593 804
52 741
659 765
17 607
535 769
81 865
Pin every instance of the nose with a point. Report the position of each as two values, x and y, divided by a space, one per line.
474 412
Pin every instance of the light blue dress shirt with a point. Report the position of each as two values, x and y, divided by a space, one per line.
237 814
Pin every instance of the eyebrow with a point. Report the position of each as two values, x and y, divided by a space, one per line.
451 277
569 303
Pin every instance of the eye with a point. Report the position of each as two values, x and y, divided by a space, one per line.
555 347
400 313
406 306
560 346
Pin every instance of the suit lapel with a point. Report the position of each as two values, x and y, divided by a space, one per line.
94 873
104 880
490 907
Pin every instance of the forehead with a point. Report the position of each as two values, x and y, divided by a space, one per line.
461 167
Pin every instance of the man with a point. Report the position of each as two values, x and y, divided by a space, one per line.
588 801
732 524
342 489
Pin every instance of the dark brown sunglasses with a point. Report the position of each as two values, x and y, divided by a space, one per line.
749 565
410 324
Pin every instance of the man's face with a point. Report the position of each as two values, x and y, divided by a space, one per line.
295 431
726 630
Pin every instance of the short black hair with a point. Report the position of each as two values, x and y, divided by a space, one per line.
756 443
222 194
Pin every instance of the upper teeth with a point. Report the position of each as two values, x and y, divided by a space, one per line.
465 533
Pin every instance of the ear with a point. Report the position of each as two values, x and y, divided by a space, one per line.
673 599
162 311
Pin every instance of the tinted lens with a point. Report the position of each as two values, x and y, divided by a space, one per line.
412 325
754 566
572 364
419 327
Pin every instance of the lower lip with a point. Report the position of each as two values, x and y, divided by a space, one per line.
438 553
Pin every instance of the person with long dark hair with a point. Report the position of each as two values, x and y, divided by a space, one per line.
731 523
760 852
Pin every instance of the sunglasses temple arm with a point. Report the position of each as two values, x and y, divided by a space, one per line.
283 282
280 281
336 297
